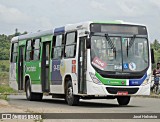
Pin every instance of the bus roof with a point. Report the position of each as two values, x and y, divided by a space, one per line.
117 22
34 35
68 27
14 39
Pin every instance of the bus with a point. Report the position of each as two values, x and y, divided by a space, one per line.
88 60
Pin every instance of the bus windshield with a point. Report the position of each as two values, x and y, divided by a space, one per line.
119 54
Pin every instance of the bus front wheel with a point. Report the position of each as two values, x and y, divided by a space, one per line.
30 95
123 100
70 98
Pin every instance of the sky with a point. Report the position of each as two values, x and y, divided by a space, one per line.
35 15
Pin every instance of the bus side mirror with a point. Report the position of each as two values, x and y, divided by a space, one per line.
88 43
152 56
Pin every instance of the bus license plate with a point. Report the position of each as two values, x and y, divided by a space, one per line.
122 93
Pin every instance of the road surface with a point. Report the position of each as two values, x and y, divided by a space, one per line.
19 104
50 105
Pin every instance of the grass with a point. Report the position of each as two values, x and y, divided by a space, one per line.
4 80
4 76
5 90
4 97
5 62
4 66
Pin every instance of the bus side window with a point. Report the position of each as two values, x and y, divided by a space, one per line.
14 52
28 51
36 49
47 52
70 46
57 47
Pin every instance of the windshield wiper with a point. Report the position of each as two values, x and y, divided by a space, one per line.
127 48
130 43
110 43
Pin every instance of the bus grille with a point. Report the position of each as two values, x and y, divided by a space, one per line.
114 90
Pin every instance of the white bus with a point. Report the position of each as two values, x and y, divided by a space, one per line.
85 60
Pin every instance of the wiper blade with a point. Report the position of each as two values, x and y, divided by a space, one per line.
131 41
127 48
110 43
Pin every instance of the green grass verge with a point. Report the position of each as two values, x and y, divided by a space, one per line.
5 62
4 65
4 97
5 90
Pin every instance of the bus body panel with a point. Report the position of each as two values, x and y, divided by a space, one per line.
59 69
36 88
12 71
33 69
59 72
12 76
100 89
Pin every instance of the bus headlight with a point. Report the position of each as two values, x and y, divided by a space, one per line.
95 79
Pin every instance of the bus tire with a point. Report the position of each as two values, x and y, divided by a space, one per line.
70 98
123 100
30 95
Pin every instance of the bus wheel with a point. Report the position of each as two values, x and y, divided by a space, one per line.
123 100
32 96
70 98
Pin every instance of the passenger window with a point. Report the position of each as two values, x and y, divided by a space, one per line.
57 47
36 49
29 51
33 50
70 47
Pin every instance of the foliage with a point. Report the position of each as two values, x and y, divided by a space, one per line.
156 46
4 46
4 65
5 89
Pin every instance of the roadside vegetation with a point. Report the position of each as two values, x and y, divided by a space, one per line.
4 80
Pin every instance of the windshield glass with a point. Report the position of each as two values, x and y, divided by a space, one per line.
119 53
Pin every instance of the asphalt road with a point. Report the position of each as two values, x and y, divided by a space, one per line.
19 104
50 105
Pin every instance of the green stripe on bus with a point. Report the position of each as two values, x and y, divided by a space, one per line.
110 81
108 22
22 42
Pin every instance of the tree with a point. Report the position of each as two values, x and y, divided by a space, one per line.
156 44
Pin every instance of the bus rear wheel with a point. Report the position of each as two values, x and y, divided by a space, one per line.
30 95
70 98
123 100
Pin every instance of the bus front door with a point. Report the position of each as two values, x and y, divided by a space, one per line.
82 60
20 67
45 66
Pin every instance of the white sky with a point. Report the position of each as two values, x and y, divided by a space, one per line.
34 15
